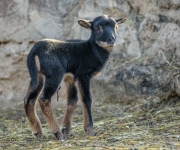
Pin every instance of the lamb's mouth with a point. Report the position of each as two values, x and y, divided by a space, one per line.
104 44
111 45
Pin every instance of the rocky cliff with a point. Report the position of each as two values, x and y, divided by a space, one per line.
145 61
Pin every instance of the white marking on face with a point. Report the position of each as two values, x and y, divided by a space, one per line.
105 45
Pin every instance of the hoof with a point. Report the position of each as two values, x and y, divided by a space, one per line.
66 132
39 135
90 131
59 136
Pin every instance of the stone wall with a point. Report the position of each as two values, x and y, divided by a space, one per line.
144 63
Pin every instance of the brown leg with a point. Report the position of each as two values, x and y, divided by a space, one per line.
30 108
67 121
51 85
49 115
71 106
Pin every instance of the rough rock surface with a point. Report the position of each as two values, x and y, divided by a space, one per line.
145 61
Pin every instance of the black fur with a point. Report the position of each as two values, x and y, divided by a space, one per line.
81 58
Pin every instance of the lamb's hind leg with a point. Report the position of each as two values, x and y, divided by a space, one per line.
71 105
51 85
30 107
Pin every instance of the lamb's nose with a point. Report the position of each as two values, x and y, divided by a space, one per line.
111 40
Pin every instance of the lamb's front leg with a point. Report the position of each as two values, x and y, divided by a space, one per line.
84 86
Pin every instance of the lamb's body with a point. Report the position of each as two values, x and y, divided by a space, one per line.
67 57
49 60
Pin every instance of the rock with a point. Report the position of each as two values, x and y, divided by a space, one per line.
164 4
142 7
167 44
144 63
175 4
13 18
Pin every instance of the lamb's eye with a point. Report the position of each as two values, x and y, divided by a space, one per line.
99 29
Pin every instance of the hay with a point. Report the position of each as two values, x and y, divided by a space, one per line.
141 124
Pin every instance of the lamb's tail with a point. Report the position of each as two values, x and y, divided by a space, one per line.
33 65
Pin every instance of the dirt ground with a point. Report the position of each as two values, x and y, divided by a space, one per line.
150 123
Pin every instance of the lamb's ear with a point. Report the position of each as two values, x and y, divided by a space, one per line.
121 20
85 23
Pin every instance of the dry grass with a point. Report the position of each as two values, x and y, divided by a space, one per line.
140 124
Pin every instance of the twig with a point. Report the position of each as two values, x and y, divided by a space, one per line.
165 58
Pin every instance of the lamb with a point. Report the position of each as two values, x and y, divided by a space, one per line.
77 61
